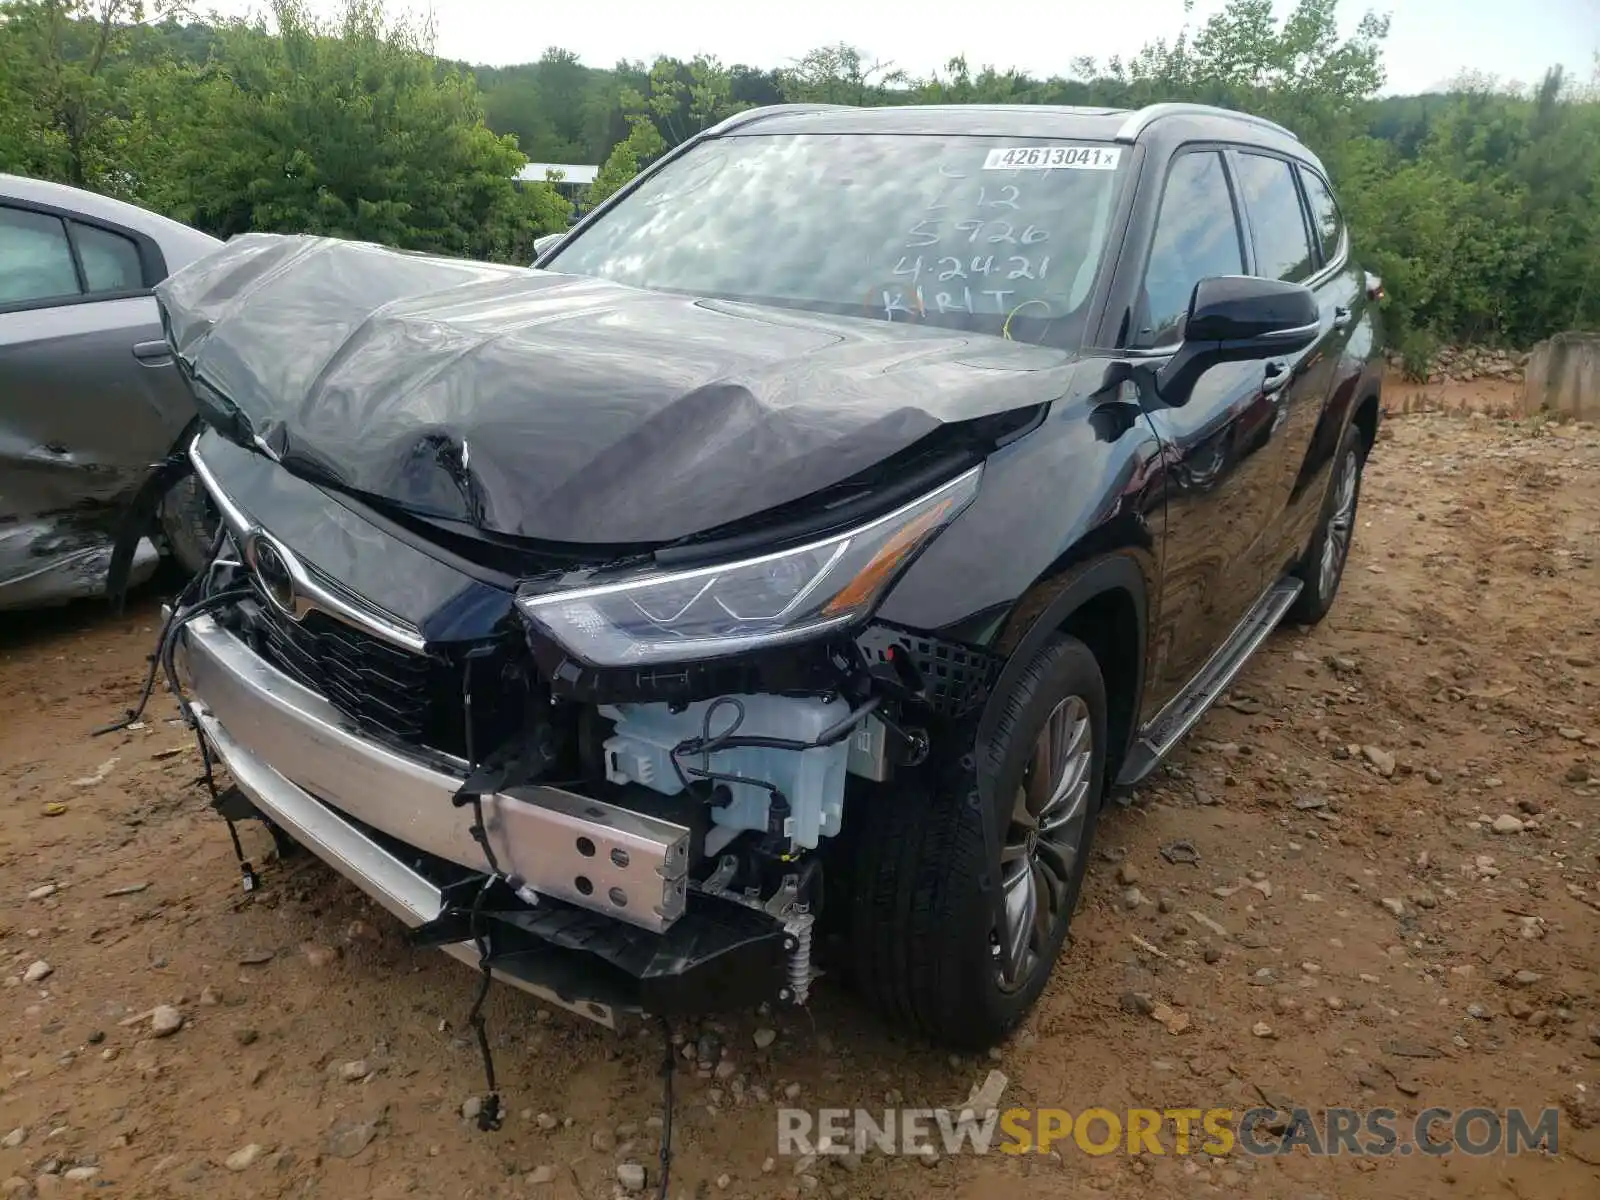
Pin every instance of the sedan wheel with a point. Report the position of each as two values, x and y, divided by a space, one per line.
189 519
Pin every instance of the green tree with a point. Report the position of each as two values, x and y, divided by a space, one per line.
72 93
959 86
352 129
838 74
643 143
545 104
1497 206
683 99
1297 71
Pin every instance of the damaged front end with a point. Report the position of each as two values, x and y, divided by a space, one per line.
547 609
611 784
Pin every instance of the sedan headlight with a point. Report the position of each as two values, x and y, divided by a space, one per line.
786 596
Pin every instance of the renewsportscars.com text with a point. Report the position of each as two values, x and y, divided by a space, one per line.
1259 1132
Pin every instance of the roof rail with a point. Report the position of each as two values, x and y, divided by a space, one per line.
1137 122
750 115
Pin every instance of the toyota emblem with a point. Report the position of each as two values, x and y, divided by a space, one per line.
273 574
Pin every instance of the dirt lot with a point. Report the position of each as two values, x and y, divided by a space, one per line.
1398 825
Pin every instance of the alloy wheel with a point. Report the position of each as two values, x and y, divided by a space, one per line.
1038 858
1341 522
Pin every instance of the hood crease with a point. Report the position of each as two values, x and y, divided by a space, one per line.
566 409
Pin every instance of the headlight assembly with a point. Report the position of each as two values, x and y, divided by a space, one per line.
785 596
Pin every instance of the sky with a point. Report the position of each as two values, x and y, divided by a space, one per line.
1429 40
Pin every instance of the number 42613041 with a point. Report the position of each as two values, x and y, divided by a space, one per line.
1081 158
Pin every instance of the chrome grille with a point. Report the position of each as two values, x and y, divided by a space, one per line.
400 696
383 688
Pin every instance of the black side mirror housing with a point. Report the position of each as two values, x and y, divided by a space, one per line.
1234 318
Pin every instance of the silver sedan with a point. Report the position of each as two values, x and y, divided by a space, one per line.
90 399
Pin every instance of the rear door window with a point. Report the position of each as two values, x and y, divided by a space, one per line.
1283 246
110 260
35 258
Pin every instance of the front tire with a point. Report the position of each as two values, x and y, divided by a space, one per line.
924 945
189 521
1322 570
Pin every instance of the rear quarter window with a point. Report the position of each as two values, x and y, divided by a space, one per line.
110 260
1329 226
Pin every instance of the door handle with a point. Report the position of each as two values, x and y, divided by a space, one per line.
1341 316
152 351
1275 375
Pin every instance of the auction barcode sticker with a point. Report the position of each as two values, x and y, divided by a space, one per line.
1044 158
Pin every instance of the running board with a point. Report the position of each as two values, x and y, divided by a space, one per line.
1161 734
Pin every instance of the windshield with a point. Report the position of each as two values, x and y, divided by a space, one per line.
986 234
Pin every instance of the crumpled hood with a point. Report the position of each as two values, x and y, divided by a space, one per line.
561 408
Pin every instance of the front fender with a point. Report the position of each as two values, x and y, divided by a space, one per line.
1076 488
1064 514
1047 608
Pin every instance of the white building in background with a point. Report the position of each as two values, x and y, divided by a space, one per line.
575 177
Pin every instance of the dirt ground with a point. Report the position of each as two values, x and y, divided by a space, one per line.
1397 818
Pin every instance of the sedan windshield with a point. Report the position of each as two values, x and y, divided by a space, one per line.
985 234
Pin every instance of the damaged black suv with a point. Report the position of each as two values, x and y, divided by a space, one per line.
781 574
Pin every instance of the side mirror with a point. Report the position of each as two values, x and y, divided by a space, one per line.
1234 318
544 244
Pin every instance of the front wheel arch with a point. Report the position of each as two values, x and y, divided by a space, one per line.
1366 418
1081 600
922 929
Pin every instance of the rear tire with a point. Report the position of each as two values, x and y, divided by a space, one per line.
1322 570
189 521
923 943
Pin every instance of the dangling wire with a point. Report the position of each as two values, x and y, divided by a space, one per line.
669 1063
246 871
180 614
169 644
168 634
162 660
489 1117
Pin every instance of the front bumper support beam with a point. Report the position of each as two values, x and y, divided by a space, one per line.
275 737
579 849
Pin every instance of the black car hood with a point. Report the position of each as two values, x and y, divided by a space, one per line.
560 408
